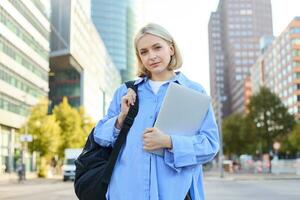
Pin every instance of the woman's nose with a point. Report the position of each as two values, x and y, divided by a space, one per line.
153 56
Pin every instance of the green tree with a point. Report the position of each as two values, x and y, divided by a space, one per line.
238 135
86 122
70 122
292 142
270 116
46 135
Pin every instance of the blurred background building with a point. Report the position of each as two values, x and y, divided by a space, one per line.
81 68
24 67
278 68
235 30
115 22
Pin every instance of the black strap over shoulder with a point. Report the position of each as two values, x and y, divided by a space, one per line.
94 166
133 110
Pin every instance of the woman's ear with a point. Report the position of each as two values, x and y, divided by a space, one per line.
172 50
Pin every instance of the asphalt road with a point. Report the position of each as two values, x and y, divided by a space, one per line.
215 189
37 189
218 189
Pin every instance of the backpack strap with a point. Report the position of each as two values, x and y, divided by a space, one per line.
133 110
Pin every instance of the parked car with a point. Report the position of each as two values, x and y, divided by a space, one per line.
69 165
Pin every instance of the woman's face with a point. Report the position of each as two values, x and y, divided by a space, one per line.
155 54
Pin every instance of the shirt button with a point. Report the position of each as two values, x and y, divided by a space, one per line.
151 117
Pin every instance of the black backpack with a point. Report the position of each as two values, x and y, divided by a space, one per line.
94 166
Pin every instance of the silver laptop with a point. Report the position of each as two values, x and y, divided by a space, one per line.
182 111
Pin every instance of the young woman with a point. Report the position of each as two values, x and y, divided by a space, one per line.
139 174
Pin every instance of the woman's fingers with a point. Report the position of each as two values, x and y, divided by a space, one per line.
128 100
132 96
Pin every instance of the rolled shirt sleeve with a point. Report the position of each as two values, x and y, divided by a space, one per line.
197 149
105 133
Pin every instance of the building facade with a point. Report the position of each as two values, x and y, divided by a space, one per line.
278 68
81 67
24 67
235 30
115 22
218 71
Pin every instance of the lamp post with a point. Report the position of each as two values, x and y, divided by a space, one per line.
221 154
25 138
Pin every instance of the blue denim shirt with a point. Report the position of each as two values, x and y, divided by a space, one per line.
141 175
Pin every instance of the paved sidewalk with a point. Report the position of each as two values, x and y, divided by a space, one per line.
213 175
13 177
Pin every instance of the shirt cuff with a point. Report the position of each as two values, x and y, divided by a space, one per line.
104 133
183 152
115 135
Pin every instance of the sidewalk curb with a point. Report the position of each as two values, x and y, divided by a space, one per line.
252 177
14 177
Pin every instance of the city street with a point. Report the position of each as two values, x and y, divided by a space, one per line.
215 188
37 189
227 189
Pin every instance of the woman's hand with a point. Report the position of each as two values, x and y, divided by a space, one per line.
127 101
156 139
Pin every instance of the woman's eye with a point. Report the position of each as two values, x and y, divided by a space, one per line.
143 52
158 47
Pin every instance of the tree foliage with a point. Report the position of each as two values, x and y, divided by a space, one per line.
294 138
44 129
291 143
66 127
86 122
271 118
72 134
238 135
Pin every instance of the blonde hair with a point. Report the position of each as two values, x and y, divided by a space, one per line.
159 31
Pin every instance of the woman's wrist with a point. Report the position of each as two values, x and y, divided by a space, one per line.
168 142
120 120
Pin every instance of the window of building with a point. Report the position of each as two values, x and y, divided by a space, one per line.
237 46
290 79
296 53
238 61
290 92
295 30
238 70
245 11
296 64
237 54
296 41
245 62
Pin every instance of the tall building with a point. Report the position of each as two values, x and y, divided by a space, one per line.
278 68
235 30
24 67
115 22
218 71
81 68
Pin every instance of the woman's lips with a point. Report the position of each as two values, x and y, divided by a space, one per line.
154 64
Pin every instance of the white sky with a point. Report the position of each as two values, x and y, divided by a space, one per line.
187 21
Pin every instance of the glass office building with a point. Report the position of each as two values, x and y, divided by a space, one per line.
81 68
24 67
115 22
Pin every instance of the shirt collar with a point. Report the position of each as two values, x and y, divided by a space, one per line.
179 78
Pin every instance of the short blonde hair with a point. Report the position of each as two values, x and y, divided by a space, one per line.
159 31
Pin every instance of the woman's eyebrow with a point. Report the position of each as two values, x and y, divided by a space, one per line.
156 44
151 46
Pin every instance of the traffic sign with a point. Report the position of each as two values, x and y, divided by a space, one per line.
26 138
